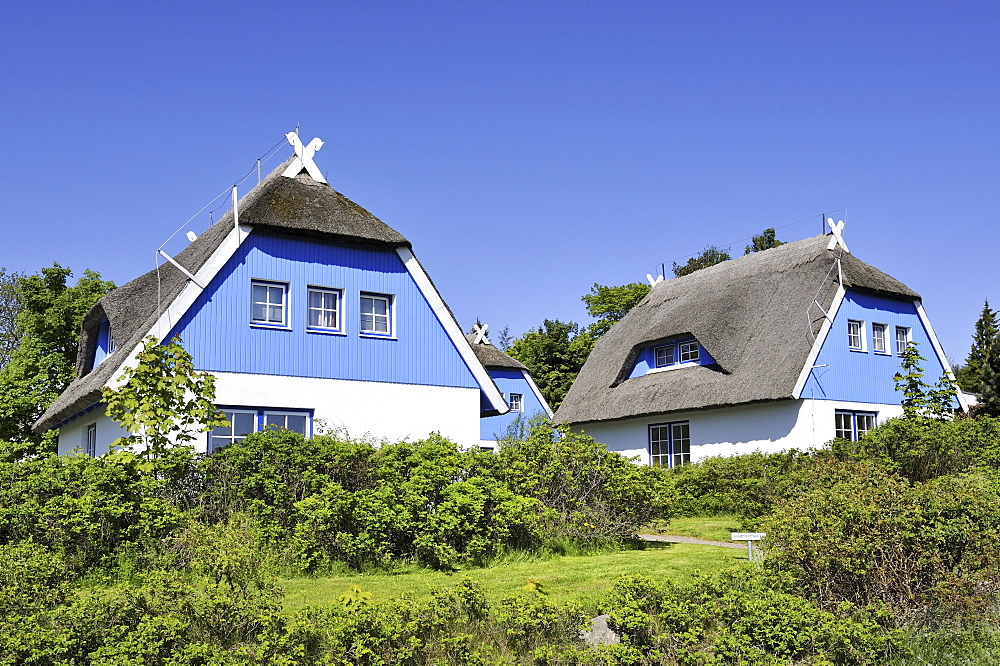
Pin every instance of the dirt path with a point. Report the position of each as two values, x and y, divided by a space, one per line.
673 538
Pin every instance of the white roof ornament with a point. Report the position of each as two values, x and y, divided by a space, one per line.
838 235
304 158
480 331
654 281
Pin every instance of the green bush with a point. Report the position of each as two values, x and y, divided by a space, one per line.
870 536
743 617
85 508
922 448
745 485
595 494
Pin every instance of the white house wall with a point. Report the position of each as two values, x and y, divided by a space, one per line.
766 427
73 435
379 409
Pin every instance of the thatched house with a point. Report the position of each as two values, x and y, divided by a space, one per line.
784 348
512 378
309 310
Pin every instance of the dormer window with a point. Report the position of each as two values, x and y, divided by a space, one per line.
105 343
688 352
668 356
664 356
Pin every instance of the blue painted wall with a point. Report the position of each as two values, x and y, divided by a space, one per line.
509 381
647 361
216 330
866 376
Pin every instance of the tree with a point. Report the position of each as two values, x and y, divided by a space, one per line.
919 399
554 354
989 387
44 362
970 376
610 304
765 241
10 307
709 257
163 399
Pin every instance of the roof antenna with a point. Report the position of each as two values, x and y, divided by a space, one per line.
210 220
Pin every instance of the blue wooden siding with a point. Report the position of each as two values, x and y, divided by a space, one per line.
216 330
509 381
866 376
647 361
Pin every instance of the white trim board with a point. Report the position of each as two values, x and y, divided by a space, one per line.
824 331
538 393
939 350
451 327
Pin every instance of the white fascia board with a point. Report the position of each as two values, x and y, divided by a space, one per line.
824 331
538 394
451 327
939 350
180 305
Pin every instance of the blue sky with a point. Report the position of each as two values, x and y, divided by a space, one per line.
528 150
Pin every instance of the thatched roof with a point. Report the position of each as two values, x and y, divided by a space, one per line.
491 357
754 316
298 206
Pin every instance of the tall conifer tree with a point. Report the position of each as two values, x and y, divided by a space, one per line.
970 377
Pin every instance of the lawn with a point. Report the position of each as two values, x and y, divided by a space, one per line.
582 578
713 528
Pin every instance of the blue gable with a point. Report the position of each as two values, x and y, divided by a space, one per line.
217 328
509 380
856 372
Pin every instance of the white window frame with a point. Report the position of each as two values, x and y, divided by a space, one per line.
516 402
857 424
906 339
674 448
879 338
90 440
688 352
668 354
232 436
859 334
285 304
264 425
338 309
390 315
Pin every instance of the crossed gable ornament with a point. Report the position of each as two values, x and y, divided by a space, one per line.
303 160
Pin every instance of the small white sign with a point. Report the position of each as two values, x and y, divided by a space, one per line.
747 536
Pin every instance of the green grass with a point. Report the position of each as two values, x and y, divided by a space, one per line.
713 528
582 578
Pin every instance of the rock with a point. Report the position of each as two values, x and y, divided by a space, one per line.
599 633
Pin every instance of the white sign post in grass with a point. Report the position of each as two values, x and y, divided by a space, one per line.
749 537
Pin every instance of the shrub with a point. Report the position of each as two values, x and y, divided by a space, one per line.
595 494
922 448
872 537
743 617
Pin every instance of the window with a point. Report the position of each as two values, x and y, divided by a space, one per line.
105 343
241 424
664 356
243 421
878 338
323 309
902 339
294 421
855 337
90 440
268 303
516 402
853 425
688 352
376 314
670 444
